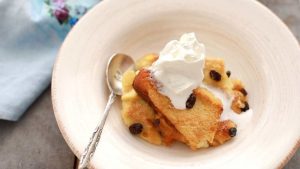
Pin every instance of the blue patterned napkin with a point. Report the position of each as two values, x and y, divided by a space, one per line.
31 32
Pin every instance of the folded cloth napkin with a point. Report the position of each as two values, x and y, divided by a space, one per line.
31 32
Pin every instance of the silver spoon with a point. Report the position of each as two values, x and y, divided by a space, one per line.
116 66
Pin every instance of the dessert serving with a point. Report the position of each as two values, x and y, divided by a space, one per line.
183 95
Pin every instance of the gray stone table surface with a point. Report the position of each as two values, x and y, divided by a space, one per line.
35 142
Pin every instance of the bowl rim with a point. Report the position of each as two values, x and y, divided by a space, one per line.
60 124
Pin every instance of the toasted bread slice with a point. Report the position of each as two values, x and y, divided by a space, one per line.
198 125
223 133
146 61
136 110
217 65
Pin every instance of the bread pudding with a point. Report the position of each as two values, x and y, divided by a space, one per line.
152 115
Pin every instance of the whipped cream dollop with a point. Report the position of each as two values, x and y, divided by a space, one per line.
179 68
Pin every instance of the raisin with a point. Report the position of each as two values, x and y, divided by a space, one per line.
156 122
215 75
228 73
232 131
246 107
136 128
242 90
190 101
161 133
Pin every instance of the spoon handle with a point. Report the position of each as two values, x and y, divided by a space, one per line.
91 147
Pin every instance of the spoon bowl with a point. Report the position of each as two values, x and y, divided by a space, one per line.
116 66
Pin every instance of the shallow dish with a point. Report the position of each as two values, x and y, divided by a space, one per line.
257 47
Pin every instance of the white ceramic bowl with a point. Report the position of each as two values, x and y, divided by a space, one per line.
257 47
